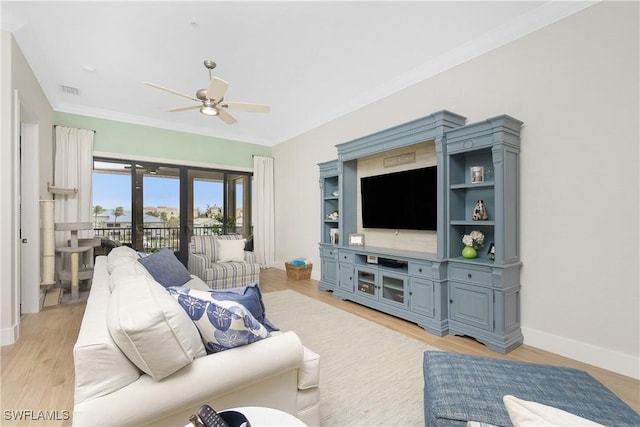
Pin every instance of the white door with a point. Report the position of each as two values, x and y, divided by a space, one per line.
29 233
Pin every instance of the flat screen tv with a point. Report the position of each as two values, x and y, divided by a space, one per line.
402 200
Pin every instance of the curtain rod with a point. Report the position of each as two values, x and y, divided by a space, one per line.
92 130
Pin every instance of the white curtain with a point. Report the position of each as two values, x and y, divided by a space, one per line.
73 168
264 211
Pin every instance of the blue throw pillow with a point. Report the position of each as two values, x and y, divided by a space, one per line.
222 324
165 268
251 297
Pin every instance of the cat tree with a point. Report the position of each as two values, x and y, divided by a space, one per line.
69 267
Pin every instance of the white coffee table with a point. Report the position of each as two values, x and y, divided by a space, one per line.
266 417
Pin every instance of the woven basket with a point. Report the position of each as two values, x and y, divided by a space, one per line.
298 272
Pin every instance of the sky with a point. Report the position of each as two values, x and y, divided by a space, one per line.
113 190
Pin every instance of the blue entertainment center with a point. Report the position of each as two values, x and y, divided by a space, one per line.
437 287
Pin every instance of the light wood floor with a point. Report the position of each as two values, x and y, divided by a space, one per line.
37 371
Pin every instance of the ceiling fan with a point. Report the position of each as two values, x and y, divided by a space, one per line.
211 99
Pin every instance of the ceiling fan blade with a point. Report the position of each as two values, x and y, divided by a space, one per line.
226 117
193 107
217 88
247 106
175 92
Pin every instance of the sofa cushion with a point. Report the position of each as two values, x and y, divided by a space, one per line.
222 324
196 283
122 251
126 271
251 298
309 373
230 250
119 256
166 268
95 347
151 329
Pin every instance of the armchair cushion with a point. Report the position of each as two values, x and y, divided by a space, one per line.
226 275
230 250
203 254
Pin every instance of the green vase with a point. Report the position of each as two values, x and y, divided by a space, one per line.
469 253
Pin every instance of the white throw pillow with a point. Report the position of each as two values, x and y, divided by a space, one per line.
230 250
524 413
151 329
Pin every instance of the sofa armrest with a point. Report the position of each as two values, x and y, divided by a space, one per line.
250 257
198 263
205 379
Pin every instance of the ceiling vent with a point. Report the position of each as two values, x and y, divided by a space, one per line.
70 90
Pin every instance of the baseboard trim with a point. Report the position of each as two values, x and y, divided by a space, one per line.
621 363
10 335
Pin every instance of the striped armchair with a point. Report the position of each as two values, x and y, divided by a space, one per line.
204 262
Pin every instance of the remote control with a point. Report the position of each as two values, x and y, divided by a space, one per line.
210 418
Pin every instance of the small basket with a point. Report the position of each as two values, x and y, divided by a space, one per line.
298 272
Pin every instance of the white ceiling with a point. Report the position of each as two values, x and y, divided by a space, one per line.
311 61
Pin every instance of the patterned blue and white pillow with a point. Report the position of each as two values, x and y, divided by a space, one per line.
251 297
222 324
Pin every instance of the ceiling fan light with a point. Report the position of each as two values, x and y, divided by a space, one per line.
209 111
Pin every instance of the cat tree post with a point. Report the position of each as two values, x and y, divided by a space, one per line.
48 269
74 273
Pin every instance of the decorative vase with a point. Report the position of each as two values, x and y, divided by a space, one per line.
469 253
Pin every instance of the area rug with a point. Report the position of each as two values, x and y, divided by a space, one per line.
369 375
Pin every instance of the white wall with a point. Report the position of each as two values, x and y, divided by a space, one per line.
16 75
575 85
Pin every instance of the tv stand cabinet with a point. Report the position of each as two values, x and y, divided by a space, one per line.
410 285
443 292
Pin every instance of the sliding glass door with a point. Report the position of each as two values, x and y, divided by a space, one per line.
157 207
112 202
152 206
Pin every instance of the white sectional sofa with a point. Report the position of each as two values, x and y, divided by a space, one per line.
111 389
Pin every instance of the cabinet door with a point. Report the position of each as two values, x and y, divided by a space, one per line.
393 289
471 305
421 297
329 270
346 277
367 282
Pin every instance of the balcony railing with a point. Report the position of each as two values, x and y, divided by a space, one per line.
156 238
